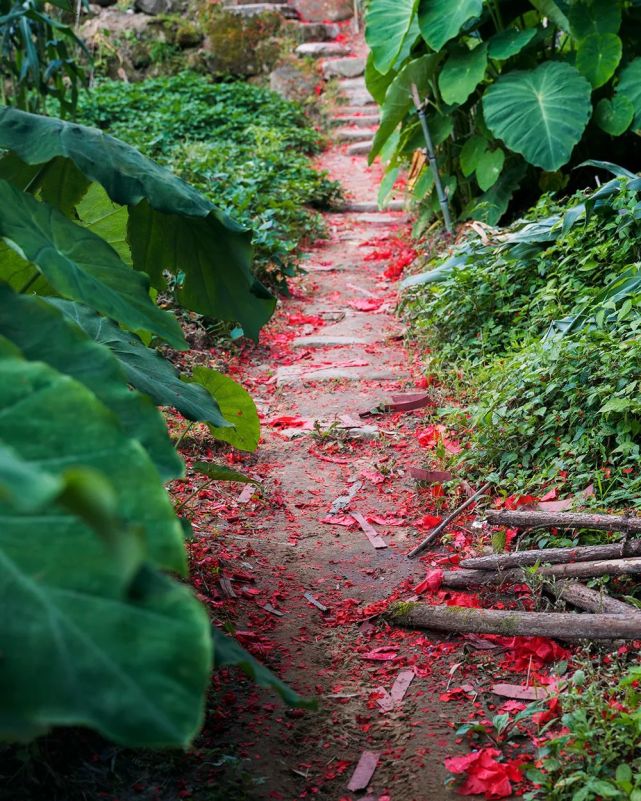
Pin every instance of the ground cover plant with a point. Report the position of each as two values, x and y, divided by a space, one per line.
516 93
243 147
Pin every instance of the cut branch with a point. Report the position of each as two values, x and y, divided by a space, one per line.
591 600
565 520
563 625
582 553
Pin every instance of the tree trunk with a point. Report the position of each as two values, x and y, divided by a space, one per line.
583 553
525 519
461 579
591 600
565 626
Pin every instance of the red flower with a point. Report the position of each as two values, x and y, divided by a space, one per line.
484 775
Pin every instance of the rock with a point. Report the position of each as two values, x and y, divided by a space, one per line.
253 9
292 82
344 68
320 10
113 21
156 7
243 45
321 49
311 31
360 148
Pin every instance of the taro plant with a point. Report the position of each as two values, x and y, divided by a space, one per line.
517 93
96 631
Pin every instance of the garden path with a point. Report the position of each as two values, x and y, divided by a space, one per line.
334 349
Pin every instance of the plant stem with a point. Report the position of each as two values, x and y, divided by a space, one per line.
30 282
184 434
196 492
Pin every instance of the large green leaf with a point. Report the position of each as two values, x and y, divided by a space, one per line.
146 370
489 168
229 652
80 265
97 212
552 11
630 87
236 405
471 153
462 73
91 636
41 422
509 43
375 81
441 20
386 25
24 485
614 116
540 114
43 334
220 472
172 225
598 56
398 99
594 16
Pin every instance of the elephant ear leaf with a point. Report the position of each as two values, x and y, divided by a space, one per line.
541 113
387 23
441 20
171 226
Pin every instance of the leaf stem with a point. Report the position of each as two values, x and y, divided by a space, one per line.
189 498
184 434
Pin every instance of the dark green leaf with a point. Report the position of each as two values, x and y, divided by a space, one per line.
441 20
598 56
220 472
462 73
386 25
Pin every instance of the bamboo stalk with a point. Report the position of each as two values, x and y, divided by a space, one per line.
562 625
582 553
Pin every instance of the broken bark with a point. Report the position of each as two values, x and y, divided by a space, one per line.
524 519
562 625
442 526
591 600
462 579
583 553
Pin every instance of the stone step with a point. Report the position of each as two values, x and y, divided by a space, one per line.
393 205
254 9
303 32
362 121
348 110
322 49
230 3
360 148
300 375
353 135
344 67
319 341
380 218
359 98
352 83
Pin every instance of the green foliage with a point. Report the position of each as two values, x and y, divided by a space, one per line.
545 82
243 147
40 57
606 711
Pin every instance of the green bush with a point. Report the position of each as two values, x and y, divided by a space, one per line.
243 147
516 92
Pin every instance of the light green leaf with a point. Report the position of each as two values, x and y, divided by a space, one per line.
171 226
375 81
598 56
440 127
398 100
614 116
236 405
387 186
98 213
146 370
220 472
471 153
616 405
594 16
462 73
489 168
424 184
540 114
386 25
80 265
551 10
42 333
23 485
441 20
630 86
509 43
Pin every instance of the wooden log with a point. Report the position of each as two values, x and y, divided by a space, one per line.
443 525
562 625
526 519
461 579
581 553
583 597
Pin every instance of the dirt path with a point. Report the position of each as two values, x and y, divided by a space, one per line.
333 350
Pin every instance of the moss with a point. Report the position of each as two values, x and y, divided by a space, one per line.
402 608
242 46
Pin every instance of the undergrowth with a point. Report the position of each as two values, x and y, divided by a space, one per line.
244 147
541 411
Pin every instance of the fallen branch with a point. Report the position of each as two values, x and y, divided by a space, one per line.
524 519
591 600
563 625
442 526
462 579
582 553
